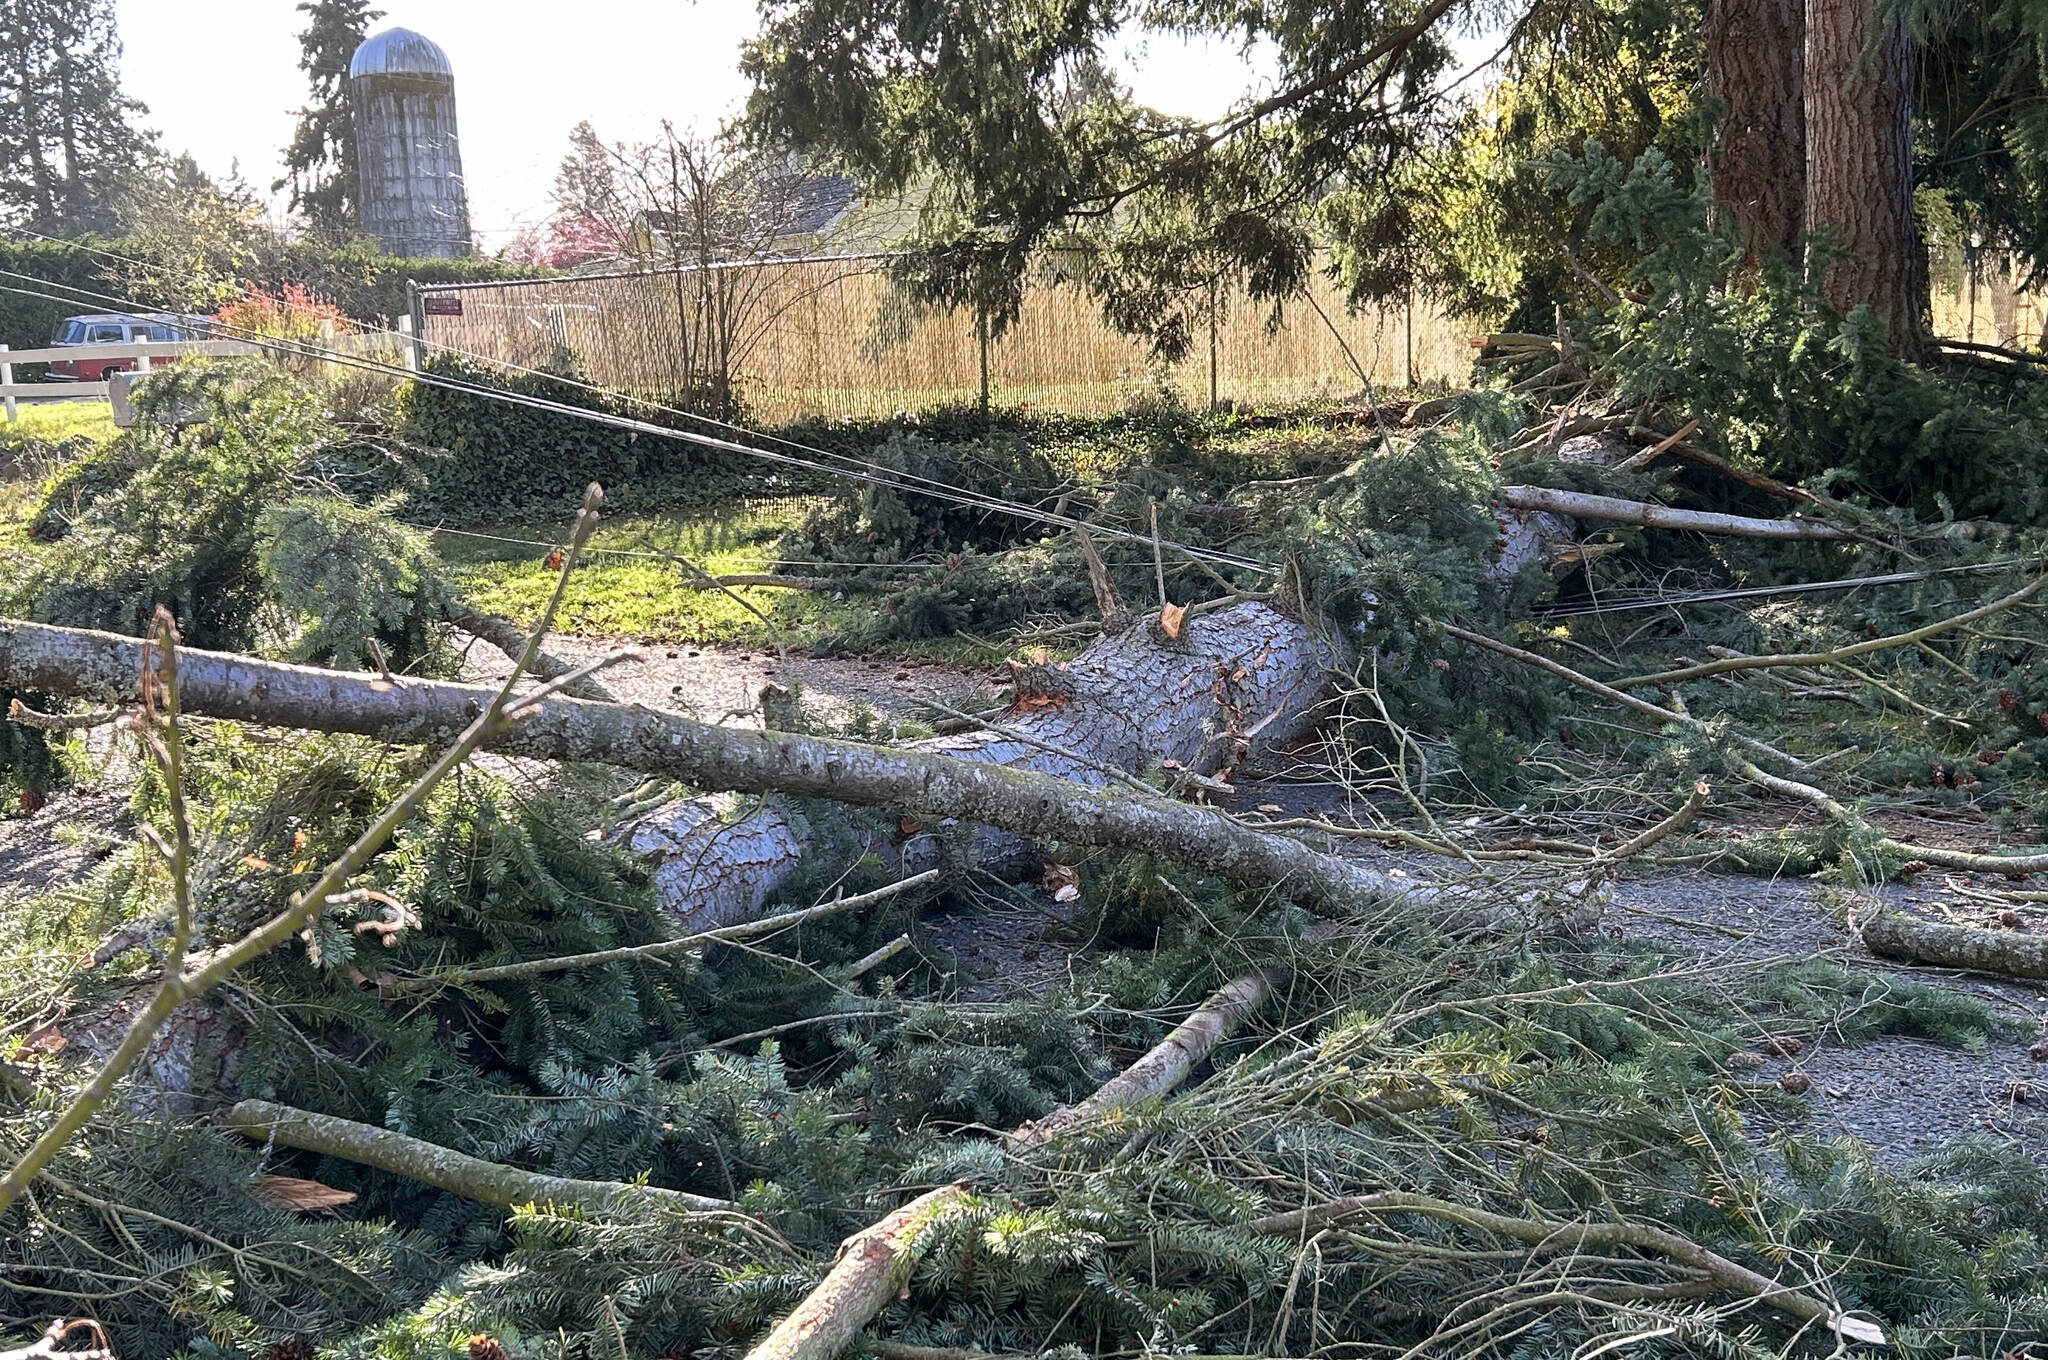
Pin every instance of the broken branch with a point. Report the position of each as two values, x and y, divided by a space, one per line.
494 1183
1585 505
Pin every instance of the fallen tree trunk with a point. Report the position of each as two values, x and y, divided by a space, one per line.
494 1183
1236 681
1584 505
1025 802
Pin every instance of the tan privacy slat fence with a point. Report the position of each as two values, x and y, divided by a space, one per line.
833 337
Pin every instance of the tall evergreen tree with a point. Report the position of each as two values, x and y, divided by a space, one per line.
320 162
70 146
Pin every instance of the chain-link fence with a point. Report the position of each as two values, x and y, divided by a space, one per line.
825 338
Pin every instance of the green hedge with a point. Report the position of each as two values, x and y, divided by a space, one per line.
484 459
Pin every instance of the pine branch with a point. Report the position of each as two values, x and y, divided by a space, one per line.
661 948
159 669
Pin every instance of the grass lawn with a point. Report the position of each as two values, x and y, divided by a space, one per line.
21 478
630 584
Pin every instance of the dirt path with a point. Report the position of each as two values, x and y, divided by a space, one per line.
723 684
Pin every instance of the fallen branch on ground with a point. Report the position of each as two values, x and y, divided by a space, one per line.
1819 799
509 638
872 1266
493 1183
1893 935
1585 505
766 578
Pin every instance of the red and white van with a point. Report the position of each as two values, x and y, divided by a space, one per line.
110 328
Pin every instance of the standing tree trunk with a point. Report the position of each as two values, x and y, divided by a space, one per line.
1758 158
1859 163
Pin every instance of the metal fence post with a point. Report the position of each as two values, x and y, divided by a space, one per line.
416 309
1212 345
7 379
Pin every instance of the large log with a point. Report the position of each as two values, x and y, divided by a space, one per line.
1237 681
105 666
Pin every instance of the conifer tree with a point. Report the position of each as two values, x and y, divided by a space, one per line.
70 147
320 162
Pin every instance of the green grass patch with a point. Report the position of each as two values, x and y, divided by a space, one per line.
56 421
631 581
23 466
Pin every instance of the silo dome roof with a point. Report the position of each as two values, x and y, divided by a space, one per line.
398 51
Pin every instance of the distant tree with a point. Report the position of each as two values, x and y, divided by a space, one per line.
320 162
70 147
683 202
195 241
593 214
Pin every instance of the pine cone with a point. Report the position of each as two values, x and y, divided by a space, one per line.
291 1348
483 1347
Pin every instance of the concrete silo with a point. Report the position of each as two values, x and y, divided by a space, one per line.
408 162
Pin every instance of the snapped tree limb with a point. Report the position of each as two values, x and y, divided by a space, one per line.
872 1267
1585 505
1893 935
494 1183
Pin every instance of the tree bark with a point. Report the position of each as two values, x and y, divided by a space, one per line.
1024 802
1585 505
1893 935
1237 681
1859 163
506 1187
1757 161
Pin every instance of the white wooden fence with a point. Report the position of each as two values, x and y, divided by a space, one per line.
145 353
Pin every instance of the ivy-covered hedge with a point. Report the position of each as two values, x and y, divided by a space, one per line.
480 458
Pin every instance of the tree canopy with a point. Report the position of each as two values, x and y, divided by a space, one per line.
1379 144
70 146
320 162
